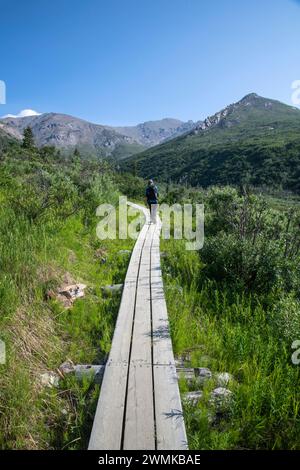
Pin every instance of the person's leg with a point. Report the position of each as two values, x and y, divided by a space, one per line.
149 205
154 213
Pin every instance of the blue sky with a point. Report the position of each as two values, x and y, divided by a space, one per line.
128 61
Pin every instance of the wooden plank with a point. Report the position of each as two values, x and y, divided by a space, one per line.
162 344
108 423
123 329
139 432
107 427
170 428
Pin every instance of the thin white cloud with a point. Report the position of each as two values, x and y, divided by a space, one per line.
23 113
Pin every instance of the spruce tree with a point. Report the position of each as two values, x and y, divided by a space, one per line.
28 138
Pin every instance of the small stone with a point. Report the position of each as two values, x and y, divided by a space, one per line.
163 254
124 252
186 373
73 291
223 379
67 367
87 370
203 373
49 379
193 397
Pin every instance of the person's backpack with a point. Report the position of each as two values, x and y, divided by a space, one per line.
151 193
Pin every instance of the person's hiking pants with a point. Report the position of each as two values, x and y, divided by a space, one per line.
153 212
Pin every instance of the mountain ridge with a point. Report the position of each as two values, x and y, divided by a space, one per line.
240 142
68 132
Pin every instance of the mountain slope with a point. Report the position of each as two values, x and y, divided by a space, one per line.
152 133
68 132
246 140
6 137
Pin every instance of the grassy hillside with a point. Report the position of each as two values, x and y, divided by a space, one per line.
255 140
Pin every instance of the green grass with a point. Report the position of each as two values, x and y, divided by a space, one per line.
231 332
40 334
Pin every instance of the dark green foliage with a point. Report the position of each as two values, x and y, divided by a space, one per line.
28 138
249 245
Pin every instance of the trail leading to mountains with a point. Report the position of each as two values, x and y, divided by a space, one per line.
139 405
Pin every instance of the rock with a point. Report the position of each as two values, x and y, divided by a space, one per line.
73 291
163 254
112 289
49 379
221 397
186 373
124 252
67 294
223 379
67 302
87 370
202 373
82 370
193 397
67 367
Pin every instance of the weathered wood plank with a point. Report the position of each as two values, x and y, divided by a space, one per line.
123 329
170 428
139 421
107 427
108 423
162 344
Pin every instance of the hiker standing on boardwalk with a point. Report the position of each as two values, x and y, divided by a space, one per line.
152 200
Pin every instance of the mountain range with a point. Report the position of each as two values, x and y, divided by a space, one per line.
256 140
68 132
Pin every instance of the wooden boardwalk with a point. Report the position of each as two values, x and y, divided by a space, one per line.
139 407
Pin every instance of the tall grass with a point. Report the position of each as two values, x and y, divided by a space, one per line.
241 332
47 236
